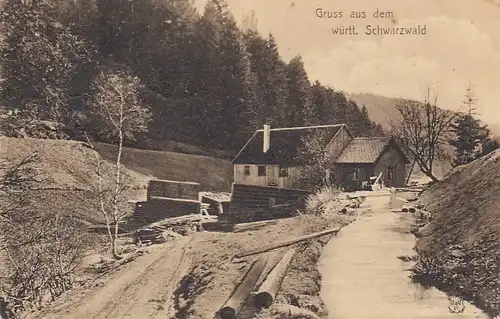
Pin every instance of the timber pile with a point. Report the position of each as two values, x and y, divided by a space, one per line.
173 189
154 235
183 220
160 231
269 288
408 208
237 299
266 293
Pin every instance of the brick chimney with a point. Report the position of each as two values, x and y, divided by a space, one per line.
267 138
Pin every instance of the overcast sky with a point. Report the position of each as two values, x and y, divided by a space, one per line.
462 44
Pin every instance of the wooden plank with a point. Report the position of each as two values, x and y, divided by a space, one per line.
267 291
402 199
406 189
159 199
253 225
286 243
173 182
235 302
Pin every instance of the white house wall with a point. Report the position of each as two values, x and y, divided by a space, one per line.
272 174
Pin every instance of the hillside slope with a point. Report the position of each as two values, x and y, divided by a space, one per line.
380 108
212 173
69 168
465 204
463 235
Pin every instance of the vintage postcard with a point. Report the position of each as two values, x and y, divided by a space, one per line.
202 159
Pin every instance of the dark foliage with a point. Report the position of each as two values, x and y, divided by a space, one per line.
204 80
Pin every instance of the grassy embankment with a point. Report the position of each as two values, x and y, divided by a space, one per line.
459 248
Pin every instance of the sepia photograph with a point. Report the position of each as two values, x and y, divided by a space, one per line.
249 159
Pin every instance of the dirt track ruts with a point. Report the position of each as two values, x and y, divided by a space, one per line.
142 291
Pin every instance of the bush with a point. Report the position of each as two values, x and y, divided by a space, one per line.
43 248
325 202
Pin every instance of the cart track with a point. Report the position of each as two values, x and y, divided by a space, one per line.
143 290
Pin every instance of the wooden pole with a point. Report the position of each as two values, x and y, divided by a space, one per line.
253 225
271 285
237 299
411 171
286 243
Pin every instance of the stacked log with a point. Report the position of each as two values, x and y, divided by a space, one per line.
286 243
150 235
155 233
237 299
192 219
267 292
408 208
173 189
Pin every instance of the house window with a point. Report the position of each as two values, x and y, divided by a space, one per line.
247 170
355 174
390 172
283 171
262 170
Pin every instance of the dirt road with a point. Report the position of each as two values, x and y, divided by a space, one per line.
141 290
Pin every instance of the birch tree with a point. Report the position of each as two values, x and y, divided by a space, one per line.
119 114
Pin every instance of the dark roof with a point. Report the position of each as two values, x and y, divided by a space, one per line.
367 150
284 146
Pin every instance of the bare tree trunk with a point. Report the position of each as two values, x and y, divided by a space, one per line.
118 182
112 233
431 175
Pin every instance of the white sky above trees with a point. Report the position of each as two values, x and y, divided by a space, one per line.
462 44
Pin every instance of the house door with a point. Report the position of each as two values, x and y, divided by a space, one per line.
272 175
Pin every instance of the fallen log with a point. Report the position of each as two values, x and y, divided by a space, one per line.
409 189
174 221
269 288
286 243
253 225
235 302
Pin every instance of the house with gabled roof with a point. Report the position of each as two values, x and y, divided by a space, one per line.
271 156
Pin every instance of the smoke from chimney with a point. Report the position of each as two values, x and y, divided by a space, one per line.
267 138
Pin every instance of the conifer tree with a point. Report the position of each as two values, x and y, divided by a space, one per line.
471 139
270 70
299 101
